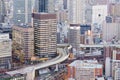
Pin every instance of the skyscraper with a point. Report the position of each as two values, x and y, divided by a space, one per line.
22 10
74 35
44 5
45 37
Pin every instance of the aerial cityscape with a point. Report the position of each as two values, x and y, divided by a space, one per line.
59 39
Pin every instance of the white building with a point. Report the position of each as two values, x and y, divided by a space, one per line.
99 15
5 51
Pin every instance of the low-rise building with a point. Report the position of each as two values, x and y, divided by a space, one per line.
84 70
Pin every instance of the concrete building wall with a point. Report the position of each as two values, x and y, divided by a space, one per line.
22 10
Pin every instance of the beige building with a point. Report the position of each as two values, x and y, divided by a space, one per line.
45 36
23 40
114 10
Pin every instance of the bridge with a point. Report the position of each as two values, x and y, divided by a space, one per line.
62 50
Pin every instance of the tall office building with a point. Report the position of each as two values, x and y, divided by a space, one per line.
114 11
45 28
74 35
2 11
22 10
44 6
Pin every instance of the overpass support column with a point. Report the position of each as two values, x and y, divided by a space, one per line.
30 75
56 68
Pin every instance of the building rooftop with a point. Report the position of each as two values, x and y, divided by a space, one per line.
25 26
86 64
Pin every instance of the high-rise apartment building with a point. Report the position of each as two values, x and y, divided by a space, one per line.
23 41
5 51
22 10
44 6
45 37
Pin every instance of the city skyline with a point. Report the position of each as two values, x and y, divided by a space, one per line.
59 39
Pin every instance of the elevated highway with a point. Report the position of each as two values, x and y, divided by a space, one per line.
100 45
62 50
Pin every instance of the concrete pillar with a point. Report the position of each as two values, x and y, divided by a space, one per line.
30 75
56 69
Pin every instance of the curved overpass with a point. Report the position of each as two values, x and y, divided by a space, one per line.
62 50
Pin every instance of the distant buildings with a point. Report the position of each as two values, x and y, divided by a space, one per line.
45 34
76 14
23 41
2 11
111 31
85 32
44 6
84 70
74 35
5 51
22 10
